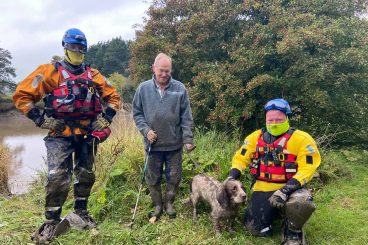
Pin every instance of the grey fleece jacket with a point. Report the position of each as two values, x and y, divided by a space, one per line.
170 115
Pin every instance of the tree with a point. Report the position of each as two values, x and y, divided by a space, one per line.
109 57
6 72
235 55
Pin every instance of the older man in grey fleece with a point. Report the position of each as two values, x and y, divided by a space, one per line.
162 113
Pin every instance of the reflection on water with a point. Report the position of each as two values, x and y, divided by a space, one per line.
27 147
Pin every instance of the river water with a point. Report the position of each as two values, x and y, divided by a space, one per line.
27 147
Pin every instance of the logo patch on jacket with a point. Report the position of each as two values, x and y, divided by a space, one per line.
243 151
309 159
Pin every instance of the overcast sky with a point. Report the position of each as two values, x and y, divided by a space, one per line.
32 29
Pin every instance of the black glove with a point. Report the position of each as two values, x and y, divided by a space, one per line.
234 173
109 114
35 115
279 197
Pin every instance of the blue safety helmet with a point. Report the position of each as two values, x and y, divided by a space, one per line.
74 35
280 105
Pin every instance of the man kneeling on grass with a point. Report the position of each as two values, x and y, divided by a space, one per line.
281 160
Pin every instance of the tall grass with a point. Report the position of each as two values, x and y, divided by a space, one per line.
118 163
124 142
4 163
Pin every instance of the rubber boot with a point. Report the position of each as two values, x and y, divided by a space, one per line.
290 237
49 230
81 219
156 196
170 198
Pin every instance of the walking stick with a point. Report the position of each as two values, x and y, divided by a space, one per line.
190 157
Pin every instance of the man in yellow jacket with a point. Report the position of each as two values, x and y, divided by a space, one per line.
73 94
282 160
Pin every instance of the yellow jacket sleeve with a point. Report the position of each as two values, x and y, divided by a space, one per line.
308 157
243 156
105 89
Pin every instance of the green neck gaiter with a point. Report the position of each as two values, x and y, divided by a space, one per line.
279 128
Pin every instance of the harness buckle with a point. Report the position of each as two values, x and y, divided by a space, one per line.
268 175
281 157
276 160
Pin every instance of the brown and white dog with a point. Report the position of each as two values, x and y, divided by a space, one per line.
224 198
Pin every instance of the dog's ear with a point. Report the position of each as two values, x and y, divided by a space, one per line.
230 187
223 198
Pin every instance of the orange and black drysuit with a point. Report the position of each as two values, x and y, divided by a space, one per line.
72 94
274 162
48 78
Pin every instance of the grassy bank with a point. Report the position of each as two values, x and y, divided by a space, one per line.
4 163
339 219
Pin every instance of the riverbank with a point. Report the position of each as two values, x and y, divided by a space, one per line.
6 104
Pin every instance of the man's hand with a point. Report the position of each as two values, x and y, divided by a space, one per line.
151 136
53 124
280 196
100 124
278 199
189 147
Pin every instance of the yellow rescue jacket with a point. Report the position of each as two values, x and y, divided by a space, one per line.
300 144
46 78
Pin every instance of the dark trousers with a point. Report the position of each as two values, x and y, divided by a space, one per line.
164 162
259 214
60 168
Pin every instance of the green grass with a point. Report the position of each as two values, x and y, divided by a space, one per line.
340 194
342 210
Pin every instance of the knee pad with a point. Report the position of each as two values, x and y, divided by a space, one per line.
84 182
84 176
299 208
57 188
58 180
